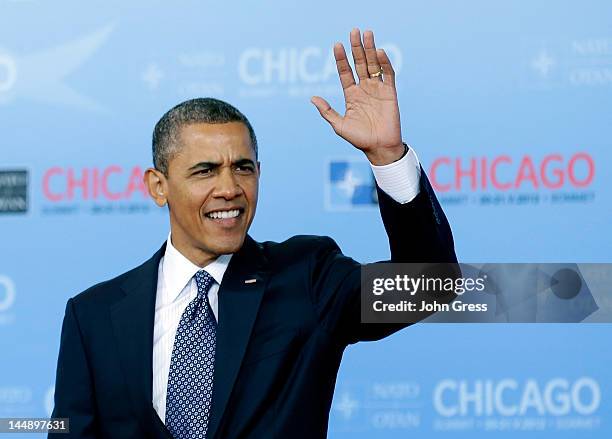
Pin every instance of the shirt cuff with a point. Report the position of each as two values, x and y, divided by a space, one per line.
400 180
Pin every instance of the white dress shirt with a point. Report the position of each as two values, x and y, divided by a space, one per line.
176 285
400 180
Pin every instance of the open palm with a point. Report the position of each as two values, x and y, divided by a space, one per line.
371 121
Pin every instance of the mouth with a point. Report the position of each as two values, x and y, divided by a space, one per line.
225 217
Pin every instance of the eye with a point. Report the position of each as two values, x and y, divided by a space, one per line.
245 169
203 171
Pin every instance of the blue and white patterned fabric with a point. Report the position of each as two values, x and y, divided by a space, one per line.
190 380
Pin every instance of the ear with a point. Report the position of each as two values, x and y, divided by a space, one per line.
259 167
157 185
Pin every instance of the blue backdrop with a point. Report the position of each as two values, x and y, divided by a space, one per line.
506 103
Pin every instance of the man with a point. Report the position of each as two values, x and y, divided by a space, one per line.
220 336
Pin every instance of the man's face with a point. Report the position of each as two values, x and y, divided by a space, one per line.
212 187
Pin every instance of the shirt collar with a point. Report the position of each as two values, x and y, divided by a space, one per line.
178 270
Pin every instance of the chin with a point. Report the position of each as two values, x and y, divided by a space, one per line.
229 246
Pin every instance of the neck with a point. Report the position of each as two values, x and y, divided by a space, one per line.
195 255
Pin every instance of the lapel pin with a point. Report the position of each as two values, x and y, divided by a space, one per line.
250 281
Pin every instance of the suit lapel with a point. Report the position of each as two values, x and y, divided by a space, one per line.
240 295
132 320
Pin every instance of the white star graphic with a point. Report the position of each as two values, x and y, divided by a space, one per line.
349 183
543 63
152 76
346 405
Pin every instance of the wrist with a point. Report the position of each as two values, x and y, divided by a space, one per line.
387 155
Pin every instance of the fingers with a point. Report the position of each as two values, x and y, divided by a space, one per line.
327 112
359 56
344 68
385 63
373 65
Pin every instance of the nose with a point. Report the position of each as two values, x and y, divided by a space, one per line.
227 187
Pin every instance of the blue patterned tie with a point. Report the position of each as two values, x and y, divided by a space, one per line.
190 381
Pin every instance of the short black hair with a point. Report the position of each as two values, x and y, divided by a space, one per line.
200 110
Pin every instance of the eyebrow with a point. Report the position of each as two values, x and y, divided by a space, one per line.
213 165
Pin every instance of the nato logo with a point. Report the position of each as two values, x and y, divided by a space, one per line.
13 191
350 185
40 75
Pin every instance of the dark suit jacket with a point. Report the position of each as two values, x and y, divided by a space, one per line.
279 340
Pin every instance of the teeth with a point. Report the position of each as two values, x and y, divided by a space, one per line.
224 214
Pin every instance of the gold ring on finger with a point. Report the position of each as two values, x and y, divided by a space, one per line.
377 74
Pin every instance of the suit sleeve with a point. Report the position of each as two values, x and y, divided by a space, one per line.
74 395
418 231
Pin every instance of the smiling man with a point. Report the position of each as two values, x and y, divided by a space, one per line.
210 182
218 335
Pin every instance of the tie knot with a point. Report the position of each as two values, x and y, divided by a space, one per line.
204 281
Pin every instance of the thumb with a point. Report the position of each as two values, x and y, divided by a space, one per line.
326 111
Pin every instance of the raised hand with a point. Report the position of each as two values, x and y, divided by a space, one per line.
371 121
